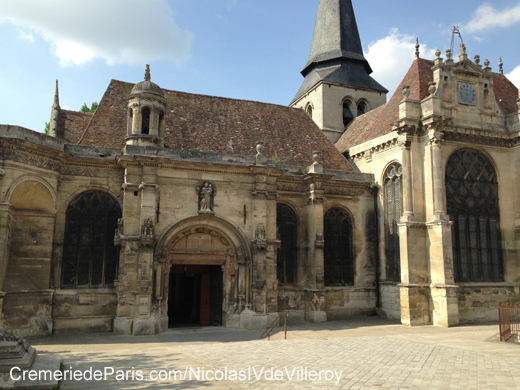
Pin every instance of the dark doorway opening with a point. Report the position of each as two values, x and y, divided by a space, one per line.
195 296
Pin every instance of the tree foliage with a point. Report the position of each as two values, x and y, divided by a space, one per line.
46 130
92 109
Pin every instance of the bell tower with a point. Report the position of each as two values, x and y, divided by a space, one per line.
145 115
337 86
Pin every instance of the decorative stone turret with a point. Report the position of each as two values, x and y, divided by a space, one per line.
55 114
146 114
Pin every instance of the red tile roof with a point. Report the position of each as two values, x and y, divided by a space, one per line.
506 93
72 124
354 134
418 77
214 124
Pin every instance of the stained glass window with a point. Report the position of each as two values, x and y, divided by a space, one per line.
393 208
338 262
90 258
286 259
472 199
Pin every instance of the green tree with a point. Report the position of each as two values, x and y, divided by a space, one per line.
46 130
92 109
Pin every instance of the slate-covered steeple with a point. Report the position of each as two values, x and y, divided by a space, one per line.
336 35
336 59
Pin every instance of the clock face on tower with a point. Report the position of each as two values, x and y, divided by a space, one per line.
467 94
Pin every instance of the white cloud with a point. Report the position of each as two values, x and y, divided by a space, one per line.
27 36
391 57
118 31
514 76
487 17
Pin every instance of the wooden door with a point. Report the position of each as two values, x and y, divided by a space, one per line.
216 296
205 299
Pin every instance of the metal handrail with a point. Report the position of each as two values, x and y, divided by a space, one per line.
270 328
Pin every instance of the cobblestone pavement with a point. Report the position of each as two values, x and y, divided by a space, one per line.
370 353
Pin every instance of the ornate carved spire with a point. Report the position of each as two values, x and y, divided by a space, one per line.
501 66
417 47
55 113
147 76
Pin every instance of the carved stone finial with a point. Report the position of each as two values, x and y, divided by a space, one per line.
406 91
438 53
448 54
463 49
501 66
432 88
486 63
315 157
417 46
477 59
147 76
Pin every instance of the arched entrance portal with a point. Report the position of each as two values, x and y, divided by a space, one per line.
200 277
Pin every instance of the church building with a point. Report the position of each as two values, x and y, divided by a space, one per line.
164 208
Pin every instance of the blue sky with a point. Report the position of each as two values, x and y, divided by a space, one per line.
244 49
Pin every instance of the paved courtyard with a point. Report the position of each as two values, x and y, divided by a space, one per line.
364 353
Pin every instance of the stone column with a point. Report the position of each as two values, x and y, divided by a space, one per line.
154 121
316 270
405 145
414 287
146 321
136 119
443 288
126 285
6 216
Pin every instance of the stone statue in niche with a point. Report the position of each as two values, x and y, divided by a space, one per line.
147 228
206 193
119 232
260 232
320 242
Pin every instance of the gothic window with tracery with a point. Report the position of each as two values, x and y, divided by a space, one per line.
90 258
472 200
393 184
286 259
339 261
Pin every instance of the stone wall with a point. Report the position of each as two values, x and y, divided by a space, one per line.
479 302
390 300
83 311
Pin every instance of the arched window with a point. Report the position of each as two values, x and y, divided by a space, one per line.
393 208
90 258
309 111
145 128
361 108
338 262
472 199
286 259
347 113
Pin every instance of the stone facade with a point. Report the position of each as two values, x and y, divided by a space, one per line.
436 286
179 210
164 208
